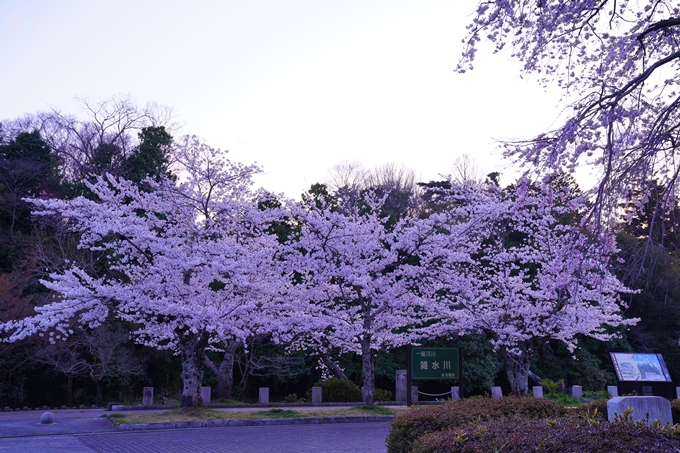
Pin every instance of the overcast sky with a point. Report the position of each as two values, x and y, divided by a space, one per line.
297 86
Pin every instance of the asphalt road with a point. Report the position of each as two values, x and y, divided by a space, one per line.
318 438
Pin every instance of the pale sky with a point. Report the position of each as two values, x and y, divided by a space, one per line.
297 86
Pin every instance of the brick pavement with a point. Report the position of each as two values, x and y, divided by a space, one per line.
320 438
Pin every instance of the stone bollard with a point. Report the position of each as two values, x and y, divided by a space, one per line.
677 392
645 408
316 395
455 393
576 391
400 393
205 395
6 409
496 392
613 391
414 394
46 418
538 391
94 406
147 396
264 395
44 408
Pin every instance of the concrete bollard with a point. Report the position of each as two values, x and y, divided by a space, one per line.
677 392
400 391
147 396
455 393
414 394
205 395
613 391
316 395
46 418
496 392
264 395
576 391
538 391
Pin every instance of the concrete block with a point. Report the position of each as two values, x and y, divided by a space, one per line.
264 395
455 393
205 395
538 391
414 394
496 392
316 395
613 391
400 391
147 396
645 408
577 391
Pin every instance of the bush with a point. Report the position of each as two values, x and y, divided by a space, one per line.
408 427
546 436
291 398
383 395
336 390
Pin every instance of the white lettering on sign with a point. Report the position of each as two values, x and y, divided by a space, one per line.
447 364
423 364
435 365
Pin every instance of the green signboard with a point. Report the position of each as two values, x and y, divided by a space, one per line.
434 363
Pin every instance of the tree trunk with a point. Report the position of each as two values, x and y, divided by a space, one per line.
192 357
98 389
225 372
517 369
69 391
333 367
367 371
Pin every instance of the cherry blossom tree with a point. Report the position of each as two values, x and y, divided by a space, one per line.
191 263
618 62
364 284
534 272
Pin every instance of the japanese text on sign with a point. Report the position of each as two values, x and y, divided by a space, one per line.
434 363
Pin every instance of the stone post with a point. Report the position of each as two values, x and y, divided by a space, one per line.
316 395
677 392
147 396
400 393
576 391
538 391
264 395
455 393
613 391
414 394
496 392
205 395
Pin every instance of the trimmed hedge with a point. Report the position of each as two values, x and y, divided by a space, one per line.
408 427
563 435
336 390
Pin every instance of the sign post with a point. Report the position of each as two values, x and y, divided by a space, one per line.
433 363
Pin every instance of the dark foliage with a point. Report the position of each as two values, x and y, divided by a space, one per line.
546 436
407 428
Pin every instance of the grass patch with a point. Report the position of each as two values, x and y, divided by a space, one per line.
376 410
278 413
196 414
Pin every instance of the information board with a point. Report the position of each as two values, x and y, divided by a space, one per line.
636 366
434 363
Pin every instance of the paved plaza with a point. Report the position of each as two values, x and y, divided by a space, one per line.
85 431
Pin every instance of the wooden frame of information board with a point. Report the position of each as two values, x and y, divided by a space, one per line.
436 364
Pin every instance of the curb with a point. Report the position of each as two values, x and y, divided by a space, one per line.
258 422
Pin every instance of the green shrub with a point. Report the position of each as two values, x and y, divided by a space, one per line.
675 410
546 436
336 390
383 395
291 398
408 427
